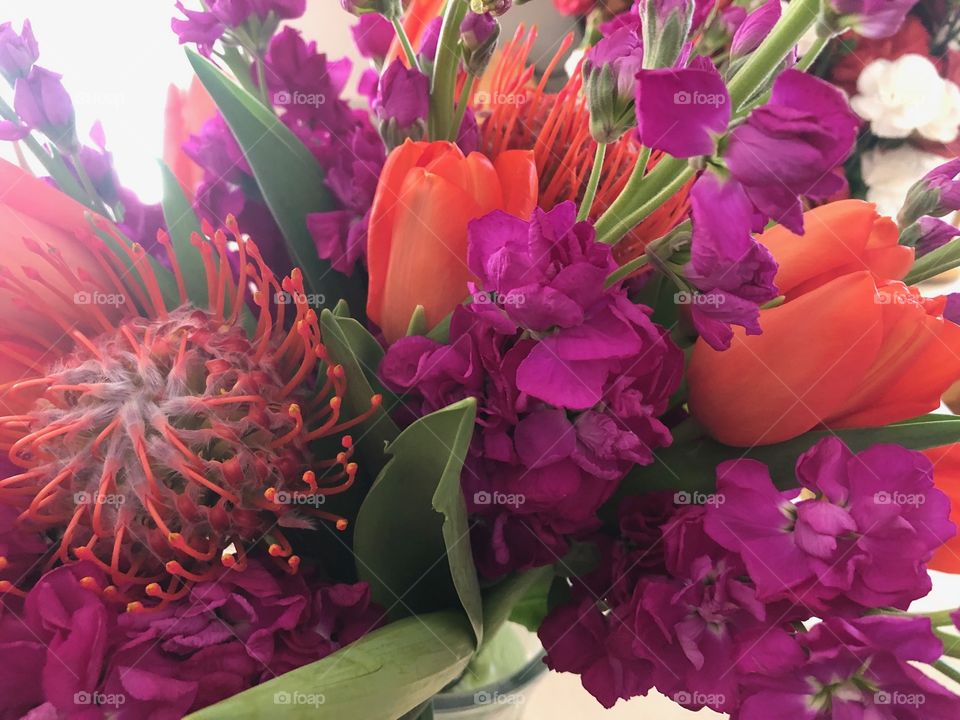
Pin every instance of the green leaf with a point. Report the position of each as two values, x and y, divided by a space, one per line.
933 263
181 224
379 677
418 322
502 601
350 345
692 466
289 177
412 539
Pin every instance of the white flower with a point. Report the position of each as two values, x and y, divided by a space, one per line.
888 174
907 95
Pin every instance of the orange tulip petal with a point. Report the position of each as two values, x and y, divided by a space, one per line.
946 476
814 352
518 175
429 242
884 254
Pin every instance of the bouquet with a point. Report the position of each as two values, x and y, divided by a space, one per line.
404 356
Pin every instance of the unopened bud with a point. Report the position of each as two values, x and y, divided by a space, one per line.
479 33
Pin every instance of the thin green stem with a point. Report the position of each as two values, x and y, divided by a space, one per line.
810 57
630 192
405 44
951 643
626 270
262 83
947 669
593 183
445 69
674 179
462 106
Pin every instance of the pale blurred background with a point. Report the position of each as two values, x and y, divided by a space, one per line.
119 56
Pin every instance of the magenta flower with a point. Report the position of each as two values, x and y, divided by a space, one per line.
610 70
937 193
754 29
732 273
682 111
402 103
44 104
862 541
870 18
373 35
18 53
789 147
928 234
203 29
857 670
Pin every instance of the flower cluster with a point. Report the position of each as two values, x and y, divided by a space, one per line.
571 378
707 609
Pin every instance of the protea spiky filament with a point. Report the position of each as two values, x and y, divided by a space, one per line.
168 442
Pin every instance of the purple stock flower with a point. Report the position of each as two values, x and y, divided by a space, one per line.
790 146
200 28
18 53
592 352
952 310
937 193
373 34
682 111
430 39
479 33
870 18
928 234
851 669
862 541
283 9
733 273
402 103
42 102
755 29
666 25
622 51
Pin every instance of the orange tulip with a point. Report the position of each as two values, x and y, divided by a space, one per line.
186 112
946 476
850 347
40 227
417 241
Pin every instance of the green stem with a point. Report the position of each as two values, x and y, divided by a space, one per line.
593 183
800 15
262 83
675 174
445 69
951 643
810 57
626 270
462 106
631 190
405 43
948 670
88 187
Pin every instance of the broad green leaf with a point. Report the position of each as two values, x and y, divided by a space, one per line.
692 466
379 677
289 177
412 539
181 224
502 601
350 345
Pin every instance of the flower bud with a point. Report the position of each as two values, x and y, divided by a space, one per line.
494 7
928 234
869 18
18 53
609 73
479 33
937 193
754 29
666 25
43 104
402 104
392 9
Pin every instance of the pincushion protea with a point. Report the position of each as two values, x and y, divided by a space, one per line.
162 443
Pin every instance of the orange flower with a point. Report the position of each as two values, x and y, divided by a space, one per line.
850 347
417 250
946 476
40 223
186 112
